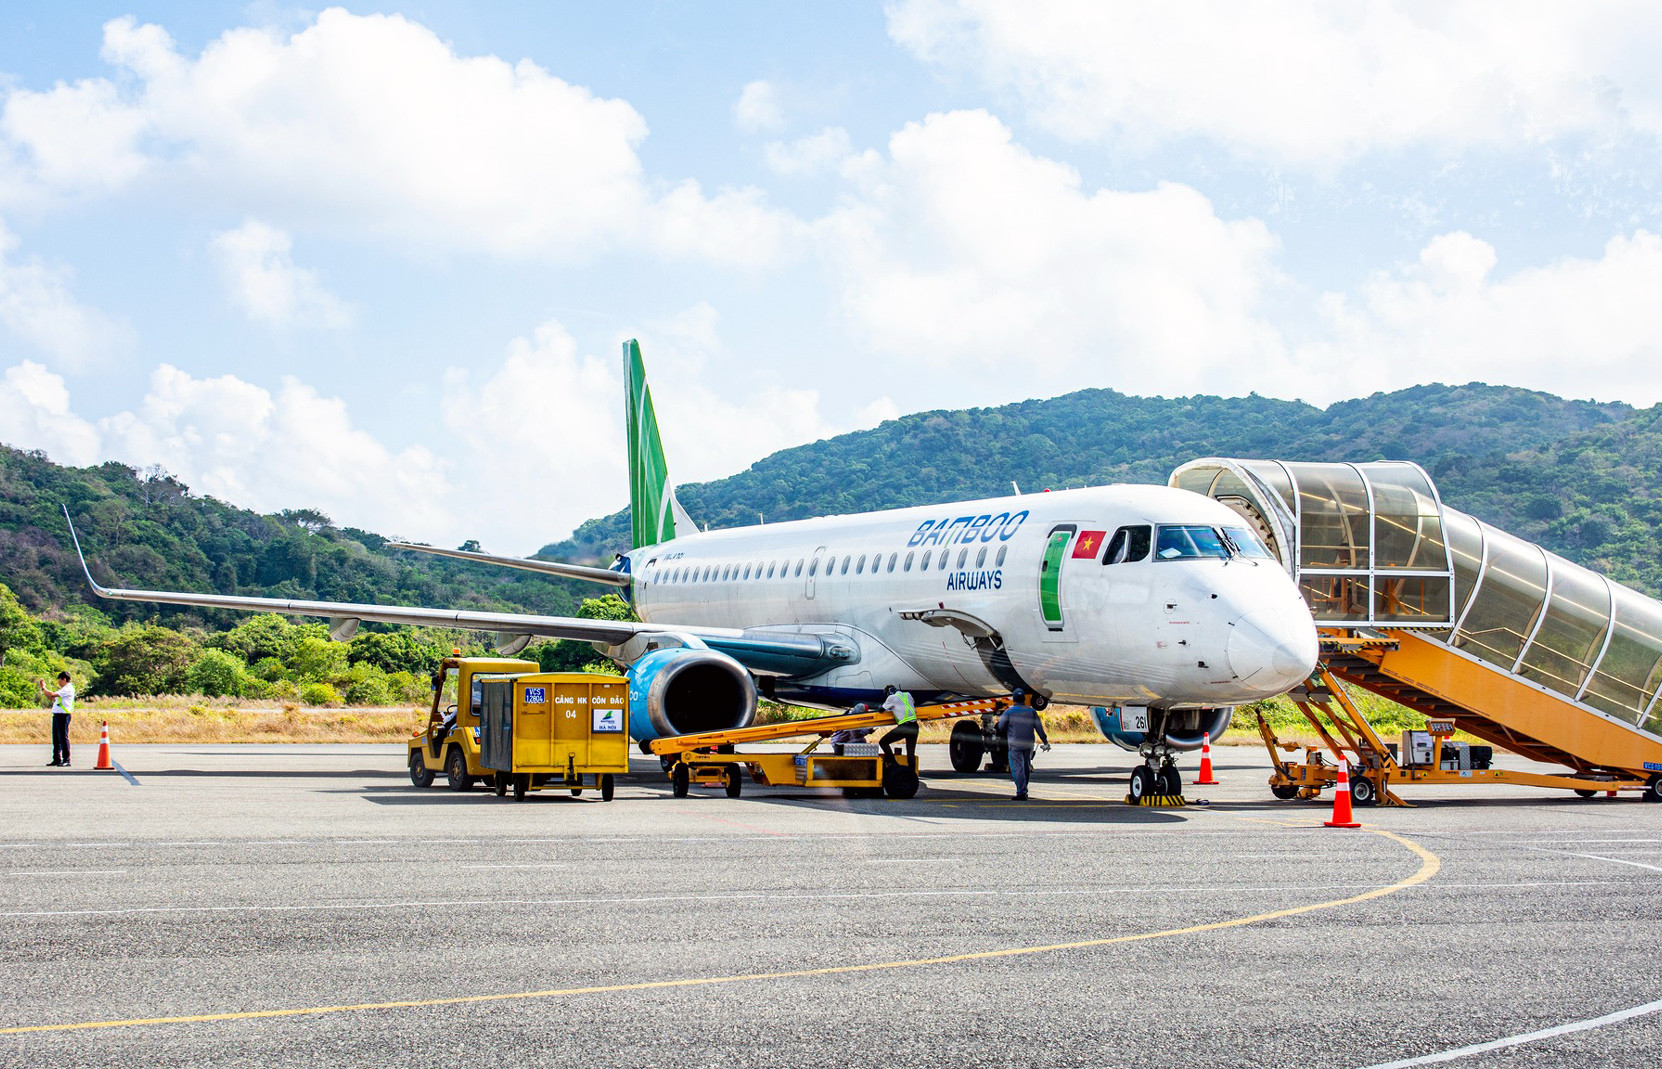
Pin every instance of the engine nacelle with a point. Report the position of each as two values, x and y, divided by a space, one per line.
681 691
1184 727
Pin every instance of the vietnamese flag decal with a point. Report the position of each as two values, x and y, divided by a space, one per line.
1089 545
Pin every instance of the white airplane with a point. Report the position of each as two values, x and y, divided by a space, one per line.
1157 606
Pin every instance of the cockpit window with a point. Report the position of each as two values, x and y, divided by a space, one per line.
1128 544
1247 543
1188 542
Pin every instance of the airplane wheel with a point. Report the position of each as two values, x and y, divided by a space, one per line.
1142 783
899 781
455 771
420 774
999 758
732 781
1285 791
522 783
501 784
1363 792
607 787
1169 781
966 748
680 781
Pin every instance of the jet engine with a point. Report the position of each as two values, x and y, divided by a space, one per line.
681 691
1184 727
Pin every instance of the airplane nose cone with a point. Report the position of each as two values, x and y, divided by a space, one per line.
1272 649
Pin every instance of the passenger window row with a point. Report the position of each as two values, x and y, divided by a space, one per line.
836 564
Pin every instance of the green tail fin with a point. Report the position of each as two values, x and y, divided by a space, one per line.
655 514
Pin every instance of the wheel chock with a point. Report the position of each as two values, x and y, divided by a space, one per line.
1158 801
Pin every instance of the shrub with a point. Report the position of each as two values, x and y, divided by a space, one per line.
315 693
370 691
316 658
270 669
405 687
216 674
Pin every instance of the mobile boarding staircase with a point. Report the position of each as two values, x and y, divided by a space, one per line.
1477 629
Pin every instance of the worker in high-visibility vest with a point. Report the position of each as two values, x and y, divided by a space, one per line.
900 705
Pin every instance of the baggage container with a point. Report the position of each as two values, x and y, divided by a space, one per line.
551 730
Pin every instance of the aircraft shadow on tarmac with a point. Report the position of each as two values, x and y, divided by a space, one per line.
219 773
936 804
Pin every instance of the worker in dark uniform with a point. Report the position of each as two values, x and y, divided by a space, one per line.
900 705
1019 724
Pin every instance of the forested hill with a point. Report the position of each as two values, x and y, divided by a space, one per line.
147 530
1582 478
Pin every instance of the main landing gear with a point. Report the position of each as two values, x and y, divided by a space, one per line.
978 739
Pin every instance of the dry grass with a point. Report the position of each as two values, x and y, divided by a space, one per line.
174 720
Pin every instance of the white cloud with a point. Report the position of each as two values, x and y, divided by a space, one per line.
810 155
1578 327
370 125
1307 84
34 414
262 278
714 424
543 432
72 138
36 305
757 110
295 448
966 252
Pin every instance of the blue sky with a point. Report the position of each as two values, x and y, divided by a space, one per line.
379 261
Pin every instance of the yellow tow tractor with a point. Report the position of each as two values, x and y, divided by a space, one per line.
708 757
449 740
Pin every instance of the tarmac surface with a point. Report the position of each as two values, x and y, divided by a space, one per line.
304 905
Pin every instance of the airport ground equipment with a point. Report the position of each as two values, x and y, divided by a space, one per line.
544 731
708 758
1481 631
449 740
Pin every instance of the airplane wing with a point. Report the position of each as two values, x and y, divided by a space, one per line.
546 567
762 651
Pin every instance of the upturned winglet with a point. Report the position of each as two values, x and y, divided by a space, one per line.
73 537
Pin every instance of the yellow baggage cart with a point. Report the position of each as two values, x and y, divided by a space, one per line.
550 730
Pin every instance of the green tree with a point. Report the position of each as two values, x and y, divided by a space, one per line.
315 657
18 630
258 637
216 674
396 651
147 659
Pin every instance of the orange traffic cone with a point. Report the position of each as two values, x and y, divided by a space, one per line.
1341 799
1205 778
103 764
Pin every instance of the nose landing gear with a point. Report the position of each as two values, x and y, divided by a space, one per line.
1156 781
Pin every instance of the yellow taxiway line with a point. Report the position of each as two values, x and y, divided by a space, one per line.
1430 864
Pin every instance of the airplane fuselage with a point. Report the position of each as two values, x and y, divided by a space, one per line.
979 597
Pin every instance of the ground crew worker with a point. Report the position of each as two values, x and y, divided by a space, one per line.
899 703
1018 724
63 703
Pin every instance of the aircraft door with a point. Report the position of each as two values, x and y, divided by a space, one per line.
1050 576
813 571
